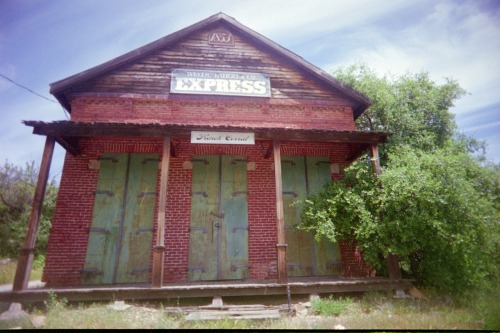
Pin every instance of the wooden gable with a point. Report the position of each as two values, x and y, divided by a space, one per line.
217 43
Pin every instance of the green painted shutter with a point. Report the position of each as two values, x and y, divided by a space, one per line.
218 242
137 234
234 229
305 256
120 238
203 231
299 254
103 234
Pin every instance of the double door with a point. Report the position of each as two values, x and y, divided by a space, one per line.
120 237
218 243
302 176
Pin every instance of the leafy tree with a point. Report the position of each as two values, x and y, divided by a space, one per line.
437 202
436 211
412 107
17 186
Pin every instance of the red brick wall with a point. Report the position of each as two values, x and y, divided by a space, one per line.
353 263
73 216
207 110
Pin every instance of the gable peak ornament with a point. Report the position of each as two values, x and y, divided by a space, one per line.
220 37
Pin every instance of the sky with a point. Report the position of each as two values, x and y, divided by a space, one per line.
43 41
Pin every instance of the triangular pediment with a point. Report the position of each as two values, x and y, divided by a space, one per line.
217 43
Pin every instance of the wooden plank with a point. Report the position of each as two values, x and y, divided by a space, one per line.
135 253
25 260
299 242
80 129
234 229
101 254
204 231
159 249
280 218
234 314
200 291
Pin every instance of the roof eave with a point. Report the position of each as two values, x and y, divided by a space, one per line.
59 87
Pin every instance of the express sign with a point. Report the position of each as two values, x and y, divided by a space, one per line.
188 81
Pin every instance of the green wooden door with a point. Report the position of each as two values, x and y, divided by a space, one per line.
299 254
120 238
305 256
218 245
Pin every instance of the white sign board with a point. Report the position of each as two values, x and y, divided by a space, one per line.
205 82
224 138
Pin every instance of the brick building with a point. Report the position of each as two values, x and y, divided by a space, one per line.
183 158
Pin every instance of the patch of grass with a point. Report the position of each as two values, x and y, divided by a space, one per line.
54 304
8 270
229 324
330 306
376 311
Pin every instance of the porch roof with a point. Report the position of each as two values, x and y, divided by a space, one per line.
66 133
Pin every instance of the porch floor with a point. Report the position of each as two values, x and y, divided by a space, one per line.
298 286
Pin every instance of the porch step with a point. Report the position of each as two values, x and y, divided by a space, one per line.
237 312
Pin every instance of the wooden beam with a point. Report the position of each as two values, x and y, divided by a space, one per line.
187 290
355 151
70 144
280 216
375 159
159 248
25 261
392 260
87 129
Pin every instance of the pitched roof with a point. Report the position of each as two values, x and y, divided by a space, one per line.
59 87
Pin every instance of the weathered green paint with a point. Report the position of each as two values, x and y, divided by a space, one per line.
135 253
203 234
120 239
299 254
305 256
218 248
234 243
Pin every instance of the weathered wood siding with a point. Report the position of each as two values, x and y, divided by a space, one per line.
151 75
143 90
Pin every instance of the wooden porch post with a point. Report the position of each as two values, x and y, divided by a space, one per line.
391 260
280 219
25 261
159 249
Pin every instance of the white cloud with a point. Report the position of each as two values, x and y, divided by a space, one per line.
48 41
456 41
483 126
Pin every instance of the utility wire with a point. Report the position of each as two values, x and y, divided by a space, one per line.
28 89
31 91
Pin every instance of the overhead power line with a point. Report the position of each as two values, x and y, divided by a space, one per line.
28 89
33 92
